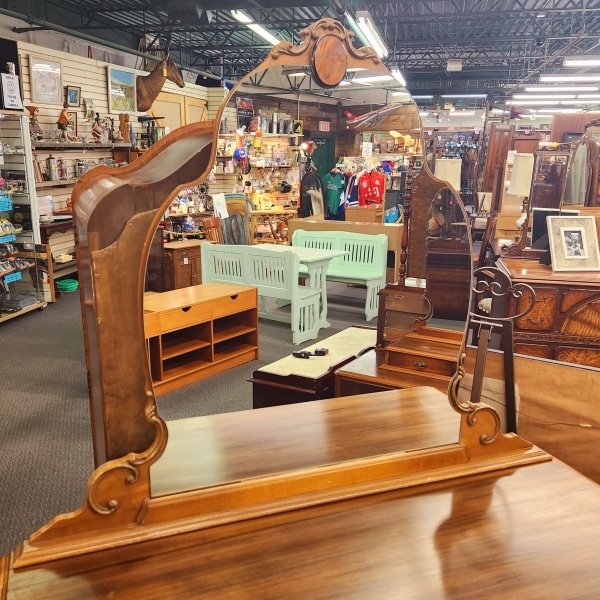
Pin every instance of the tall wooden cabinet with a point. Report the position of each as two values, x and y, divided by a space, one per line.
181 264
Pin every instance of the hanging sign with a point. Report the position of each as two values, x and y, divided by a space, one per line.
324 125
11 94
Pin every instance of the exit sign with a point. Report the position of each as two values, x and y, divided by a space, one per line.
324 125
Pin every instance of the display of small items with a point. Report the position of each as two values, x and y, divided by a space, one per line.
189 201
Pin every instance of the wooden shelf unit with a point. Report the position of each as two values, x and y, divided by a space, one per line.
199 331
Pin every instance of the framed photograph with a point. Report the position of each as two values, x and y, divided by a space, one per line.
573 243
73 95
121 90
45 77
73 120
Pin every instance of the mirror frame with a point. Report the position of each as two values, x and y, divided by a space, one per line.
116 214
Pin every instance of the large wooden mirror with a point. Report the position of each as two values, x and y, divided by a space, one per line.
117 212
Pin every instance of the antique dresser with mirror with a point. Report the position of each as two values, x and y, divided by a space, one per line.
564 323
405 492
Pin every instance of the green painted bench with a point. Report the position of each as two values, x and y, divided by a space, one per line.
364 264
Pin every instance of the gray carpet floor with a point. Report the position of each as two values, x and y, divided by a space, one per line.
45 437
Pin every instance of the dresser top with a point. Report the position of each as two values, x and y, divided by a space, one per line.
531 271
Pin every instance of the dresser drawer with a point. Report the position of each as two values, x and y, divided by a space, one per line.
232 304
421 364
542 315
185 316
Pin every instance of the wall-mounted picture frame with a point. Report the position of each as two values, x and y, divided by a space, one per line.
73 120
45 77
573 243
73 95
121 90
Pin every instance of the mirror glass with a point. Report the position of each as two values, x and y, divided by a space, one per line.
358 115
582 176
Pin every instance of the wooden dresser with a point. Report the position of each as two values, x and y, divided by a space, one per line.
564 324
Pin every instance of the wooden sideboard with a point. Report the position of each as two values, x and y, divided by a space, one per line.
564 324
198 331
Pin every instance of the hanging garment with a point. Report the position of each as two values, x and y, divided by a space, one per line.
311 182
333 184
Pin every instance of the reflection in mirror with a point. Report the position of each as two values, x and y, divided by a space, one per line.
360 118
582 176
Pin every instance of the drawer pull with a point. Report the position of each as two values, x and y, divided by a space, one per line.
185 308
420 364
539 321
234 297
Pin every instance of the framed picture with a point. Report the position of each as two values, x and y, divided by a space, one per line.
73 95
73 120
121 90
45 80
573 243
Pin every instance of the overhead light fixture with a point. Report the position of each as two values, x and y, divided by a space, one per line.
293 72
582 61
373 79
464 96
397 75
242 17
365 22
462 113
356 29
422 97
562 88
404 93
543 96
454 65
533 102
558 78
423 113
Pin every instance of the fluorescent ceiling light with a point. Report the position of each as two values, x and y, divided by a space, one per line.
464 96
296 74
397 75
589 96
264 34
559 110
242 17
575 102
533 102
367 26
423 113
562 88
373 79
462 113
401 93
356 29
454 65
550 78
542 96
582 61
422 97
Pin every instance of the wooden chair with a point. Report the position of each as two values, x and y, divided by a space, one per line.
212 229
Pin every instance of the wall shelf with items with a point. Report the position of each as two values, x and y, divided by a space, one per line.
57 167
23 277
